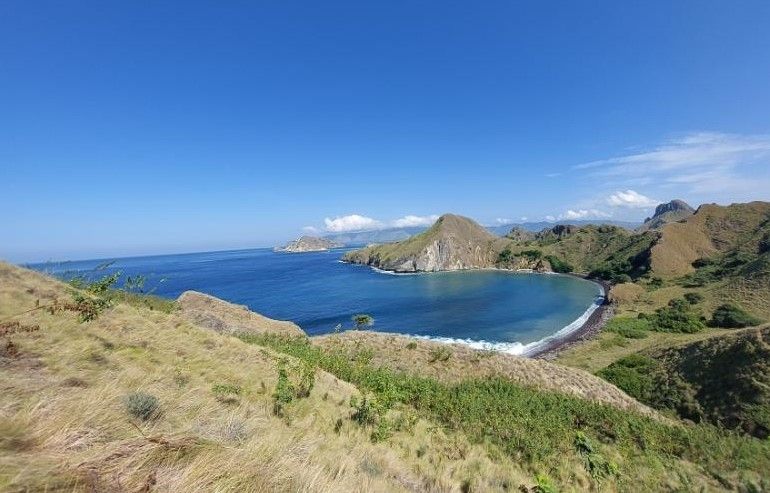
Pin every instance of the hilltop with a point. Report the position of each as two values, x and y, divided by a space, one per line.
452 243
670 212
108 391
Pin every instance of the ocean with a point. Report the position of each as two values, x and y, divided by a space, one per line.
503 310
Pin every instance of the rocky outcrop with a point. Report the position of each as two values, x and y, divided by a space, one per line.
517 233
670 212
452 243
219 315
308 244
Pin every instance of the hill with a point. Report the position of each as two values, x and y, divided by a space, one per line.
452 243
106 391
308 244
724 380
670 212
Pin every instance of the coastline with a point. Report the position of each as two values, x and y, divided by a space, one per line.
548 348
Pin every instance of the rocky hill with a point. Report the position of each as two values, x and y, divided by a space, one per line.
670 212
308 244
452 243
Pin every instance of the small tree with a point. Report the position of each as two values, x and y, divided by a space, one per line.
362 321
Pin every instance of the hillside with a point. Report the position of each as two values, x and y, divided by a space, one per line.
724 380
452 243
108 392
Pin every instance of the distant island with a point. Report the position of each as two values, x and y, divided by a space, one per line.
308 244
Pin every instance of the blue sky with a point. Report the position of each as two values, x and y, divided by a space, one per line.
143 127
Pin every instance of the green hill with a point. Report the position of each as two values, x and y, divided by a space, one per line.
723 380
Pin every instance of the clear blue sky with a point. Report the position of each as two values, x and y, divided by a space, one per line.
143 127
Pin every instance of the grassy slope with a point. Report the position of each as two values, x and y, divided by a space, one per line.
724 380
64 423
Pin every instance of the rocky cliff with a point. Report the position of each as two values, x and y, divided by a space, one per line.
670 212
452 243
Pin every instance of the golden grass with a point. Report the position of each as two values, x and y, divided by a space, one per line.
63 422
212 313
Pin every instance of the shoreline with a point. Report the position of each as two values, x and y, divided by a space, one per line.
550 346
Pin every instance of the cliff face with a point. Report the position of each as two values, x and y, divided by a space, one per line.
452 243
308 244
670 212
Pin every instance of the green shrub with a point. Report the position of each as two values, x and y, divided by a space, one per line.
676 317
558 265
732 317
693 298
142 405
411 345
362 321
226 393
630 328
440 353
633 375
505 257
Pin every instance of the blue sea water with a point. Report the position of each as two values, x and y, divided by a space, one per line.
318 292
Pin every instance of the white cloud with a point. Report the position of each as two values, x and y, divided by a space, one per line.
357 222
503 220
550 219
631 199
352 222
582 214
731 165
310 229
410 220
523 218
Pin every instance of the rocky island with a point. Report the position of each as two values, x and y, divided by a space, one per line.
308 244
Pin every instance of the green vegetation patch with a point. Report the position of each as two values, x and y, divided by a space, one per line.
536 427
724 381
732 317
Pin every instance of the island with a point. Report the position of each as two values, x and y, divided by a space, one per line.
305 244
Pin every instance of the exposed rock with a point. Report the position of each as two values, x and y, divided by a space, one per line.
452 243
308 244
517 233
670 212
219 315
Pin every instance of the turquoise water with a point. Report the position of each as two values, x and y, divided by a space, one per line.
318 292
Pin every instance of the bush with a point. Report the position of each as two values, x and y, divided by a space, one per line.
630 328
558 265
362 321
676 317
142 405
732 317
226 393
632 375
693 298
440 354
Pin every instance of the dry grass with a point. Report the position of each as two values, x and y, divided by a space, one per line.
63 422
212 313
456 362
